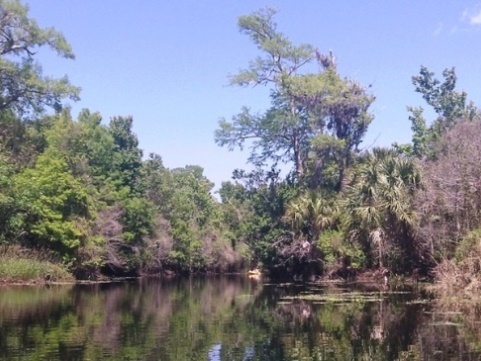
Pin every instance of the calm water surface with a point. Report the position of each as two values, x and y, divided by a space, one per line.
230 318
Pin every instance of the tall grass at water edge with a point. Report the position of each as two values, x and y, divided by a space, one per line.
18 264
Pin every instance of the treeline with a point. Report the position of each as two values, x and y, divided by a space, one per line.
410 209
81 191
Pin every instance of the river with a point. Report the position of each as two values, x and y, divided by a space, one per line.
230 318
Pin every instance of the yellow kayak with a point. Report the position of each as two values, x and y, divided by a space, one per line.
254 272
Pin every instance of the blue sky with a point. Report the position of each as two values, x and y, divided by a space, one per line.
166 63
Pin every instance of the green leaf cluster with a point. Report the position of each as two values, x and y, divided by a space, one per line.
24 88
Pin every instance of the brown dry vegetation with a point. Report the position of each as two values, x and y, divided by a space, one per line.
449 205
449 208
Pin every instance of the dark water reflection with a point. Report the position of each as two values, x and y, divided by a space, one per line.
228 318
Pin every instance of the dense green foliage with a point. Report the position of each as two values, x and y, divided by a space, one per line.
82 191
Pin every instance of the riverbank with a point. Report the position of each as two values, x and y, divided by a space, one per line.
22 266
27 271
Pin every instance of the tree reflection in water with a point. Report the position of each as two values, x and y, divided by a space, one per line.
230 318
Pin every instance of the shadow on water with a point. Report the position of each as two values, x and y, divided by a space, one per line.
230 318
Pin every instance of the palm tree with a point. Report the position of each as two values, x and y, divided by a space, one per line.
310 213
378 200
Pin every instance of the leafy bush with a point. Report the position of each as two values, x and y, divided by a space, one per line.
338 252
469 246
137 219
